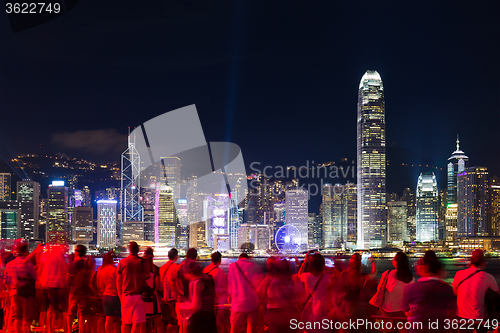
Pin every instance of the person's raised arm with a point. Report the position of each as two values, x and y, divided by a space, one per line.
303 267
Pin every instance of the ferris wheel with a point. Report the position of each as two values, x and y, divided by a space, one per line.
288 239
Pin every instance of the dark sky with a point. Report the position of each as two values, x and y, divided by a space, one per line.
278 78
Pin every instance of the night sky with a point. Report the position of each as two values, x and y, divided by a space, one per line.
278 78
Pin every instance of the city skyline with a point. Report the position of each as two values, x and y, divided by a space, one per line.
249 81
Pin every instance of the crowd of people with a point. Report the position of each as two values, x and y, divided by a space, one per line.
49 291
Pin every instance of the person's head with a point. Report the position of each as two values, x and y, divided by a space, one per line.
216 258
402 265
429 265
243 256
149 251
282 268
191 269
81 250
192 254
21 247
477 259
107 259
271 265
355 263
133 248
173 254
316 263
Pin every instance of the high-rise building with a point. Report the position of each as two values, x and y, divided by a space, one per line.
333 231
234 220
457 163
133 231
83 218
371 176
106 223
130 189
311 224
28 195
216 209
197 235
296 211
397 220
182 224
427 208
5 186
86 201
10 219
148 195
411 206
472 199
172 171
350 214
257 234
165 216
494 199
58 223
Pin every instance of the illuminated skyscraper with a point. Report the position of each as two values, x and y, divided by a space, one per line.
372 225
472 199
216 210
130 187
86 202
28 195
427 208
84 225
494 199
457 163
332 216
10 219
397 220
165 219
296 211
58 223
106 223
172 171
350 214
5 183
182 224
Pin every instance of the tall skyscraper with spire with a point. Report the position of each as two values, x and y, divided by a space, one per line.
372 224
457 163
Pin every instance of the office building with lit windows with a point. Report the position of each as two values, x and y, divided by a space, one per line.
10 219
58 223
296 210
371 162
28 197
427 208
350 214
457 163
472 199
397 218
165 216
106 223
83 222
494 199
333 231
5 186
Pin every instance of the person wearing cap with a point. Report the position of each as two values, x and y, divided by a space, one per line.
470 286
17 274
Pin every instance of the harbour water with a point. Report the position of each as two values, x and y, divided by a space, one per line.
450 266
